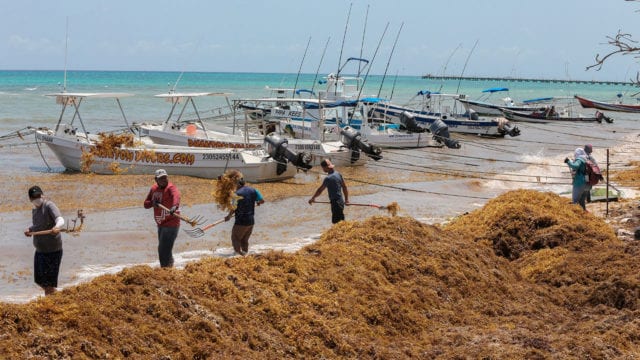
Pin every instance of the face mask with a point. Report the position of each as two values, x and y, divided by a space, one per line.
37 202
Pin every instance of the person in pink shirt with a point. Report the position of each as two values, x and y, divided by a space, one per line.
165 193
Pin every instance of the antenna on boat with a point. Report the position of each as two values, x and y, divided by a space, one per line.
389 61
173 88
320 63
364 30
465 65
66 43
295 86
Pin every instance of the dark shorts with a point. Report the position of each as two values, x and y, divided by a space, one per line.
337 211
46 267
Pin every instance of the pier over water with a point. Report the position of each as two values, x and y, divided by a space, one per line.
516 79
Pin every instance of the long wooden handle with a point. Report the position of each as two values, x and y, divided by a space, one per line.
46 232
352 204
205 228
180 216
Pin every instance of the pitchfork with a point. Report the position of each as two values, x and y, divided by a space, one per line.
197 220
199 232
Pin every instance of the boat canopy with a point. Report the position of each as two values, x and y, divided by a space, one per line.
91 95
536 100
495 89
194 94
427 92
304 91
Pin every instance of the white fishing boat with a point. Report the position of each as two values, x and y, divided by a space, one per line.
250 134
484 106
432 112
336 107
81 151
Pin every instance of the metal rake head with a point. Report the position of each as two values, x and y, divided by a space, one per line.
195 233
196 220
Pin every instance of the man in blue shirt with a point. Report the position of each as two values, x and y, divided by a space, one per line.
335 185
247 197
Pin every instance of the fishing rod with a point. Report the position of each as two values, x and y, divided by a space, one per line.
364 30
313 86
369 67
393 88
446 64
344 35
389 61
465 65
300 68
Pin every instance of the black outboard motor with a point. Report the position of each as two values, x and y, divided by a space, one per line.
352 139
278 149
440 132
507 128
408 120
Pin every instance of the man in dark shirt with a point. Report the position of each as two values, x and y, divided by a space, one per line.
46 219
247 197
335 185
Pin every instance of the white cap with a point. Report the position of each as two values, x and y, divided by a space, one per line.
160 173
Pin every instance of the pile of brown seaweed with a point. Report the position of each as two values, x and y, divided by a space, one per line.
529 276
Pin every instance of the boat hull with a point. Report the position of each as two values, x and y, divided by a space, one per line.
539 118
477 127
255 164
593 104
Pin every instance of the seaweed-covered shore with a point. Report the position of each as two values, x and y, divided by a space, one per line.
526 276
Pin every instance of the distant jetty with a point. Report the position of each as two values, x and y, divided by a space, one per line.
517 79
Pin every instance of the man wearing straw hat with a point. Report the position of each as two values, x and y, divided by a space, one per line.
164 193
335 185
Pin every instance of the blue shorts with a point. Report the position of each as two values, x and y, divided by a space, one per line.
46 267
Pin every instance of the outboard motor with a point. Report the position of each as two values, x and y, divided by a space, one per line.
278 149
506 128
408 120
440 132
352 139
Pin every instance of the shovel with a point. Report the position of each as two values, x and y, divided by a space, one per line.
199 232
191 221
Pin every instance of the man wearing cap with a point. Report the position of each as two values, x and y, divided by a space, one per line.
335 185
46 218
165 193
247 198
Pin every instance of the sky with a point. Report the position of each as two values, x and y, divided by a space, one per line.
554 39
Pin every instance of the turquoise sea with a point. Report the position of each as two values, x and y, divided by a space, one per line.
532 160
22 100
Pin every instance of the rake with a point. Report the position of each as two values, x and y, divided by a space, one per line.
199 232
74 229
392 208
197 220
356 204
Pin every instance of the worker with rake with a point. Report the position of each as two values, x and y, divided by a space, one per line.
164 197
47 222
243 207
335 185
